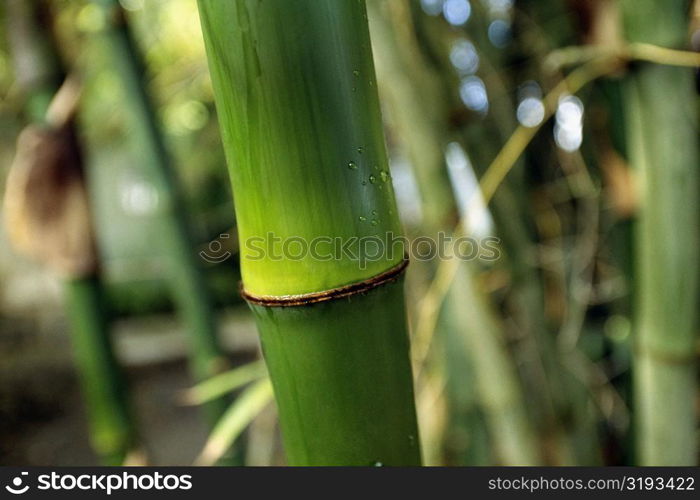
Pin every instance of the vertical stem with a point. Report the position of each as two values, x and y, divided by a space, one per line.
663 148
39 72
473 325
295 91
112 433
187 281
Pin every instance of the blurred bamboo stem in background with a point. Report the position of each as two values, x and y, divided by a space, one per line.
499 169
113 434
39 73
184 270
502 165
295 91
420 121
663 148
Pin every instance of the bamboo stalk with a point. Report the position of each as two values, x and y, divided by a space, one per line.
541 369
186 278
39 73
295 90
112 430
473 327
663 148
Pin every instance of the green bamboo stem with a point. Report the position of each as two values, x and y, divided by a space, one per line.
416 112
473 326
545 379
543 369
503 403
112 431
186 278
663 148
564 401
296 95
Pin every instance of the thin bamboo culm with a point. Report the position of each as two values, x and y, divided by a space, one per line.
472 325
112 430
192 298
662 127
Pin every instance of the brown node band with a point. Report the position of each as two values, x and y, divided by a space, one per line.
333 294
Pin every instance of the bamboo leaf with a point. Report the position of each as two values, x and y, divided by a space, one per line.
227 382
234 421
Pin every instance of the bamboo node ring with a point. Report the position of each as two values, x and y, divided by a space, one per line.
342 292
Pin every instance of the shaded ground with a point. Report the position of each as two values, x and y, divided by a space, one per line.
53 430
42 418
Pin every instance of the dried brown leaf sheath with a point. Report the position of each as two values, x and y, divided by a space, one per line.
46 208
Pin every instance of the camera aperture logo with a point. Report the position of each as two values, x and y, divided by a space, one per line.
107 483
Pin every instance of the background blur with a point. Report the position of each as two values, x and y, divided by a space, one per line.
456 79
